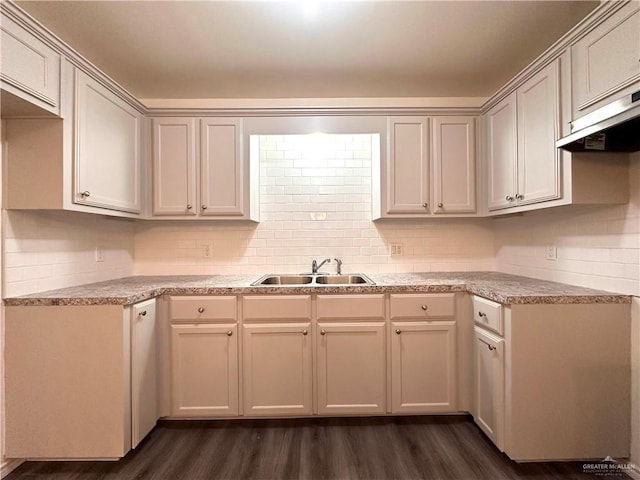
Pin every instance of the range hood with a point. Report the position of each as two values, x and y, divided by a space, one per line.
613 128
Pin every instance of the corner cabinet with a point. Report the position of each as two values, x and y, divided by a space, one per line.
521 130
80 380
200 169
90 160
430 167
107 148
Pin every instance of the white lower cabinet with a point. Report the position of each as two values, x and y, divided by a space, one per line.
423 367
204 370
488 407
277 369
351 368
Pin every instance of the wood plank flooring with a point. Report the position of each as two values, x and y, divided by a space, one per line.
432 447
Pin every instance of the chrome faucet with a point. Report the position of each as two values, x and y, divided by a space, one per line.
338 266
315 267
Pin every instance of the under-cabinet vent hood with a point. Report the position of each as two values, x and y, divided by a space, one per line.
613 128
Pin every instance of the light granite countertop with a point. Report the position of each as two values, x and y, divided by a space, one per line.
499 287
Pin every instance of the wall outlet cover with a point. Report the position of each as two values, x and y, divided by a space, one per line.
552 252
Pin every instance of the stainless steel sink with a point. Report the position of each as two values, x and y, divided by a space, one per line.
284 280
354 279
293 280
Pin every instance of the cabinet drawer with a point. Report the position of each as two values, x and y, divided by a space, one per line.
277 307
488 314
423 306
350 306
204 308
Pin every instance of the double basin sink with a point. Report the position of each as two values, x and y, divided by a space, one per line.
318 279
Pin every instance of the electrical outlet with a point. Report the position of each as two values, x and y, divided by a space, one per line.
99 253
396 249
206 250
318 216
552 252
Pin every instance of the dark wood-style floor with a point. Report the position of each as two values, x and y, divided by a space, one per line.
450 447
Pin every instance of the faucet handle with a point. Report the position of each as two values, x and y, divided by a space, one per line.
338 266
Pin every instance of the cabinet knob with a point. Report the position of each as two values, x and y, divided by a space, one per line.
482 314
143 313
491 347
304 332
440 205
398 331
189 206
322 332
424 307
509 198
204 207
201 309
519 196
85 194
425 205
229 333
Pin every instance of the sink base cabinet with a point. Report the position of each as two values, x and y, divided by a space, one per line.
277 369
351 368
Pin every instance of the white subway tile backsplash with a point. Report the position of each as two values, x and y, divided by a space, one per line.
301 176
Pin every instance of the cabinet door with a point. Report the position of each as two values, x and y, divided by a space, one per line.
501 153
107 156
277 369
30 69
174 166
222 185
605 61
144 380
204 370
351 368
454 165
407 184
489 385
538 126
423 367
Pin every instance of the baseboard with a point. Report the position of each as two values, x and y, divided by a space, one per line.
9 466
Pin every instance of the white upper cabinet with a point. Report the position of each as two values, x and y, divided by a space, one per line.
454 165
430 168
606 61
174 166
538 125
408 165
107 148
30 68
502 153
521 130
199 170
222 176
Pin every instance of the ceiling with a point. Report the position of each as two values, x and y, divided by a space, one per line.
304 49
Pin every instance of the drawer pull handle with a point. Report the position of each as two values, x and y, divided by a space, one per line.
204 207
201 310
229 333
189 206
304 332
398 331
491 347
143 313
323 332
85 194
482 314
424 307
